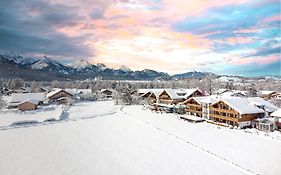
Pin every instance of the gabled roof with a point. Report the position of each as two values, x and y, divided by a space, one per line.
30 101
241 105
204 99
55 91
267 92
20 97
180 93
78 91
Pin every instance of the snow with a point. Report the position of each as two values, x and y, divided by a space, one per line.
39 65
276 113
261 102
134 141
7 117
53 92
20 97
85 110
125 69
241 105
80 64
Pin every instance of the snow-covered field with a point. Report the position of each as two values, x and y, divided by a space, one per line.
134 141
85 110
8 117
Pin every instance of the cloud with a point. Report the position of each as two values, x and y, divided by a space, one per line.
28 27
266 52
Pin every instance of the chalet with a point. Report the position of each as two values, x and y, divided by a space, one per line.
277 118
175 96
235 111
18 98
28 105
151 96
199 106
267 94
107 93
57 93
231 110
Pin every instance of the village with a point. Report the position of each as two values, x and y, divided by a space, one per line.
227 108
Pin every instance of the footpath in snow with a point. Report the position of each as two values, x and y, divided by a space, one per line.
257 154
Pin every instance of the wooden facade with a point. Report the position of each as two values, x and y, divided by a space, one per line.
27 106
165 98
196 93
193 107
107 93
221 112
59 95
152 99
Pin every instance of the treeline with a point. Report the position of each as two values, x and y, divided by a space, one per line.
208 84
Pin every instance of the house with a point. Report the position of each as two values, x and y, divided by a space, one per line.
28 105
18 98
277 118
235 111
151 96
58 93
175 96
199 106
230 110
107 93
267 94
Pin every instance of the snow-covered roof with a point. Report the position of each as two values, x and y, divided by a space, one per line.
78 91
276 113
241 105
266 92
30 101
180 93
233 93
53 92
20 97
257 101
220 91
206 99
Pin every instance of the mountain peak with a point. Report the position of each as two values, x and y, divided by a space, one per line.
80 64
125 69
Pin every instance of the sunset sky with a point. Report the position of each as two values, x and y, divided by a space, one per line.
240 37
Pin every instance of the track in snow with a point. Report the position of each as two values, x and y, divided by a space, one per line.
235 165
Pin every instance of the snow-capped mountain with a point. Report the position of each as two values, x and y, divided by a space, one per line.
46 69
101 66
193 74
125 69
80 64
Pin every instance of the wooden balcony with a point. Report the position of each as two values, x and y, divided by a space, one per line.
194 111
224 117
194 105
223 110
